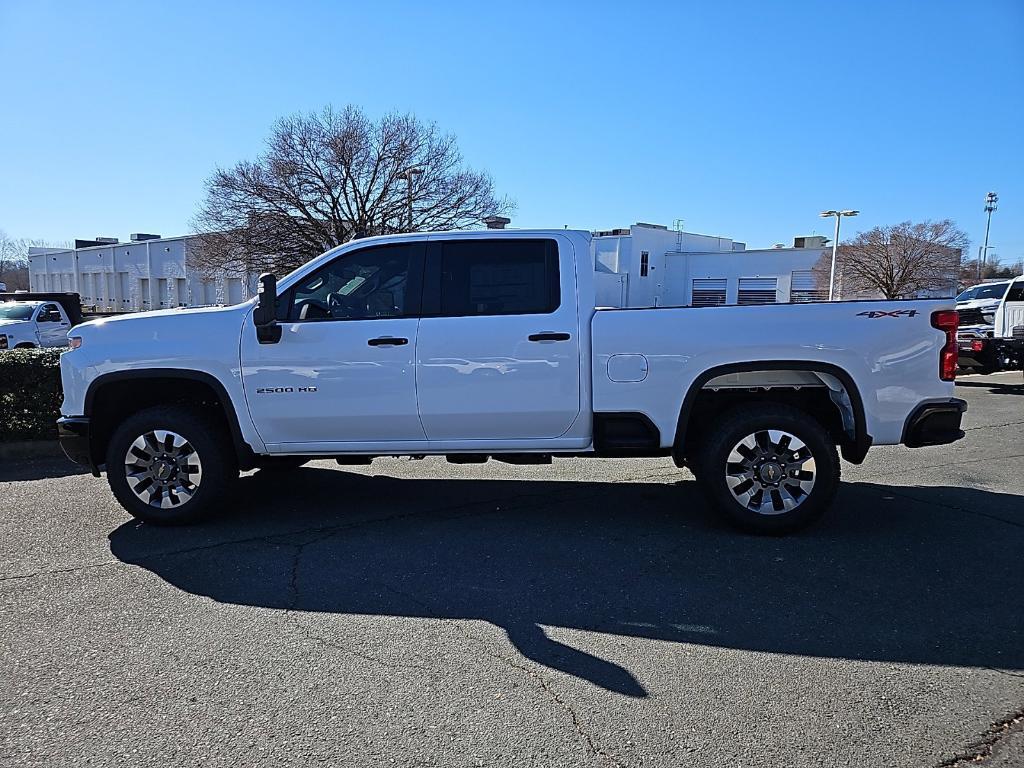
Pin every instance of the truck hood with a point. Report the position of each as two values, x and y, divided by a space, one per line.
193 326
167 318
10 325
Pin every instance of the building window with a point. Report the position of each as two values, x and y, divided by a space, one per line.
804 288
645 260
709 292
757 290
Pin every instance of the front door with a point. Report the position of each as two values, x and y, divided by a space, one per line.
52 326
343 372
499 352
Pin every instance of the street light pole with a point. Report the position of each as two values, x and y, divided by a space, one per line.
835 246
990 205
407 175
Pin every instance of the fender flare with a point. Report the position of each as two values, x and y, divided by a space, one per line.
243 450
853 451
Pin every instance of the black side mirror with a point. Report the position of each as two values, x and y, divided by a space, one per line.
264 316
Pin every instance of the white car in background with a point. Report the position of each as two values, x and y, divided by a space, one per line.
27 324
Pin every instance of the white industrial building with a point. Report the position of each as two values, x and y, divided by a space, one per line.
644 265
148 272
649 265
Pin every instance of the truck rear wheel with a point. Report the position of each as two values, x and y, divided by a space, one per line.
169 465
769 469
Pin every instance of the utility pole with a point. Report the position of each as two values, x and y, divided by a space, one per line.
408 175
990 205
835 246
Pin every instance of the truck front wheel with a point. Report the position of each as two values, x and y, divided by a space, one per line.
769 468
169 465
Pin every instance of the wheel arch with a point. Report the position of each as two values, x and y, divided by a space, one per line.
165 385
854 448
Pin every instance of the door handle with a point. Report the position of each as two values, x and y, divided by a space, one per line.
387 341
549 337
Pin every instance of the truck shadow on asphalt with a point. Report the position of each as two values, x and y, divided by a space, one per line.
21 470
926 575
995 387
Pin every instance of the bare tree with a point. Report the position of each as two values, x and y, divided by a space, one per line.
991 269
328 177
899 260
14 261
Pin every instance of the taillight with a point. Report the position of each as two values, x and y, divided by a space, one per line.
977 345
947 320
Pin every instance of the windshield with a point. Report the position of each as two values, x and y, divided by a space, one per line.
990 291
16 311
967 295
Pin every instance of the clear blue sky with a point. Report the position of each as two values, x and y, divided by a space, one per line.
743 118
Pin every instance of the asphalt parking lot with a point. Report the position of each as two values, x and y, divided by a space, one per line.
586 613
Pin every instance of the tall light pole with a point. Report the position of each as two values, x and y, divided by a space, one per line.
835 245
990 205
408 175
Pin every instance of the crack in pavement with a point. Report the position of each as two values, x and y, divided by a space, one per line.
534 675
957 508
1006 672
992 426
982 748
947 465
62 570
329 530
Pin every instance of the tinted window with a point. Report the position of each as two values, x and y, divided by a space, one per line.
499 277
362 285
1016 292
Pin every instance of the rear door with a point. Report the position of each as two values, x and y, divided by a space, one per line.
498 354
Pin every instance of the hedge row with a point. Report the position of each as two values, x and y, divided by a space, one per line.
30 394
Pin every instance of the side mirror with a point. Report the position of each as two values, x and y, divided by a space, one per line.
264 316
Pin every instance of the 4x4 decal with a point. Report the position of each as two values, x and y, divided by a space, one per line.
892 313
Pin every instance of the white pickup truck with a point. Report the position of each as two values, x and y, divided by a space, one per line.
477 345
27 324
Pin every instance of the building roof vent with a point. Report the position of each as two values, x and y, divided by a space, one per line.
810 241
497 222
85 243
140 236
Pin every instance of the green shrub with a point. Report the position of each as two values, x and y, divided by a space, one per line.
30 394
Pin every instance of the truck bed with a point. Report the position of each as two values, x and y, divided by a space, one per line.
644 360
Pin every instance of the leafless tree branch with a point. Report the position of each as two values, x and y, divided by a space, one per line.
331 176
899 260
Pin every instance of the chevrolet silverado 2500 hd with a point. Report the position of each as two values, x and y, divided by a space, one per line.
478 345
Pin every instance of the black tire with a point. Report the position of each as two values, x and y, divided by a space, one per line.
281 463
216 460
713 468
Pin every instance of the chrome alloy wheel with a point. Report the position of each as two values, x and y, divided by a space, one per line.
770 472
163 469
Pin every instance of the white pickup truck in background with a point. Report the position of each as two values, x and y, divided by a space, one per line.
991 333
478 345
28 324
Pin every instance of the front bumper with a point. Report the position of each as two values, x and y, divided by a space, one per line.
934 423
73 434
